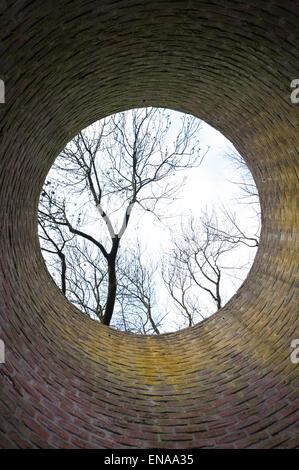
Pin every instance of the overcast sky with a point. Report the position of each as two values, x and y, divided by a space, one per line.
209 185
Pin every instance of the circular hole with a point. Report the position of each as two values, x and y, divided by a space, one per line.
149 221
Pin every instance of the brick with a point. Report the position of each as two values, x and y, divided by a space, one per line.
287 411
82 444
39 430
79 432
251 441
60 443
283 424
277 441
262 424
6 444
234 437
244 423
54 429
18 441
209 434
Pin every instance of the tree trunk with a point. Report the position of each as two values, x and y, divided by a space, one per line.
112 282
147 305
112 286
63 271
218 291
155 328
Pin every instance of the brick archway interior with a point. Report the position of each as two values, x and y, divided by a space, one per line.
68 382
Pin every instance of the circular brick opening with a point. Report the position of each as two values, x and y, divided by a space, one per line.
228 381
213 184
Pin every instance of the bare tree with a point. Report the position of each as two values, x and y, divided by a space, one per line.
137 293
121 167
206 252
181 289
87 279
231 229
197 266
54 240
121 163
248 193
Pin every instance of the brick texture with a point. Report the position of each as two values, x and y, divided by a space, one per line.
69 382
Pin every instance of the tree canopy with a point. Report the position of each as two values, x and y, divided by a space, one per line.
105 180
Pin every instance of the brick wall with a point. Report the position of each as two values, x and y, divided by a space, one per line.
71 383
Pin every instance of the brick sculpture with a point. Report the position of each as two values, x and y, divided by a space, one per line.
68 382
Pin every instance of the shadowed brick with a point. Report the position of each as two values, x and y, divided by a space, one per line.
69 382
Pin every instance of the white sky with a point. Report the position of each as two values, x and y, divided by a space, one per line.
207 185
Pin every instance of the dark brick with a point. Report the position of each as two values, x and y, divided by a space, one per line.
73 383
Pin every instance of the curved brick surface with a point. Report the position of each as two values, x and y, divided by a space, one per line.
69 382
